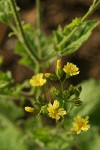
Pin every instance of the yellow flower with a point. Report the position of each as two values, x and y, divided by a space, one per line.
71 69
59 66
29 109
47 75
80 124
37 80
54 111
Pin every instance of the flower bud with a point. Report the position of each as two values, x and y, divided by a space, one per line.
77 102
59 65
29 109
47 75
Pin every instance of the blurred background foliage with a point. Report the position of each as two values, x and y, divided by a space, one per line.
22 131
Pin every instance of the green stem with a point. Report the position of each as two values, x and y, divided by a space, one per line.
39 121
38 21
21 34
90 11
38 14
69 110
50 56
92 8
67 37
62 85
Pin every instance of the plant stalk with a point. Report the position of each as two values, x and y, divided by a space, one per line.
92 8
21 34
38 14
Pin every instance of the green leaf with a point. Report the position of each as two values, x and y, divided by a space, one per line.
10 109
47 137
5 79
5 12
72 38
31 37
90 96
95 144
5 76
40 44
10 136
89 140
75 22
25 59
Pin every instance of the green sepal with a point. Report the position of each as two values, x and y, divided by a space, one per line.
59 73
77 102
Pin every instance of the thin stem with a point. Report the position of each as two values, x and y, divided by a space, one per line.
62 86
39 121
69 110
50 56
64 80
21 34
44 93
90 11
67 37
38 14
92 8
38 22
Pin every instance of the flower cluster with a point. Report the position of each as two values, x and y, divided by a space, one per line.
70 69
58 108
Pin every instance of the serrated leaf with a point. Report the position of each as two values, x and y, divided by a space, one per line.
40 44
31 37
5 11
90 96
25 60
75 41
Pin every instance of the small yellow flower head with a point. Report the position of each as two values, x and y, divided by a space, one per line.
54 111
29 109
37 80
80 124
71 69
59 65
47 75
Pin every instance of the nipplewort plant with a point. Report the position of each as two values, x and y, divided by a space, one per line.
47 102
